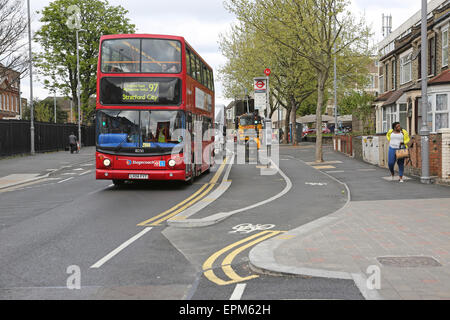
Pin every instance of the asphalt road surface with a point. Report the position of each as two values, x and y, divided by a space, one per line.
72 237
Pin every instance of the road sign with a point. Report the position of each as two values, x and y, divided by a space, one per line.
267 72
259 85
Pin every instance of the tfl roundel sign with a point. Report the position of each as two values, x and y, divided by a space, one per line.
259 85
267 72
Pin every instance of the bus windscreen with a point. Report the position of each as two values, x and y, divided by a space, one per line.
141 56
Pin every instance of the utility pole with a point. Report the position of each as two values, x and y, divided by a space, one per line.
78 88
424 131
335 80
54 104
31 81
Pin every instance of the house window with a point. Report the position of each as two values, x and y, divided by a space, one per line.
394 74
389 117
405 69
403 114
432 56
386 76
445 47
381 83
441 112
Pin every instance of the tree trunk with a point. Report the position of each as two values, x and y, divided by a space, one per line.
286 125
320 97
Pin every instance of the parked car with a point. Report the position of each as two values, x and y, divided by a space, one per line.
307 131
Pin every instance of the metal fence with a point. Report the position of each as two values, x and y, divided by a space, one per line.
15 136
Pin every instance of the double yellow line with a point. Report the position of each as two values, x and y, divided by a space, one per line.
198 195
226 263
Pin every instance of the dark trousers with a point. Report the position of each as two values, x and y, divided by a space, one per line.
73 148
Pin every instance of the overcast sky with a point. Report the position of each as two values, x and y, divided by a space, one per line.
201 22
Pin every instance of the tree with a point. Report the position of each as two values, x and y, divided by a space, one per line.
314 30
248 52
360 105
58 60
13 24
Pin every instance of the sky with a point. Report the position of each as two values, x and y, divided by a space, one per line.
202 21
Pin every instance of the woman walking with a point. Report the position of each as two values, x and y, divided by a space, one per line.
398 139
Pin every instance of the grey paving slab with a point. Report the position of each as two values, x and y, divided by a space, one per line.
348 242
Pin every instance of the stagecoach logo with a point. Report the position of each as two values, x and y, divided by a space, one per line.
152 162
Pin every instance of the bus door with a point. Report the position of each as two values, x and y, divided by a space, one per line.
189 144
198 141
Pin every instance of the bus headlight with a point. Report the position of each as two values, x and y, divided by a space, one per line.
106 162
172 163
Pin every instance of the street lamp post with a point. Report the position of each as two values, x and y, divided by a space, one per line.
54 104
78 87
31 81
424 131
335 77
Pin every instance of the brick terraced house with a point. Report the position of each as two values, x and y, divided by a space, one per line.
399 99
9 93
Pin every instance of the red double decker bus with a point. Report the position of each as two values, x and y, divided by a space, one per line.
155 107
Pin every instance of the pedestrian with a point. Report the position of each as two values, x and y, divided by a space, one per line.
398 139
73 142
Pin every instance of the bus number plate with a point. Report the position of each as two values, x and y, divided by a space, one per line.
138 176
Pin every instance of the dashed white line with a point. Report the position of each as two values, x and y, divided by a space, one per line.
109 256
84 172
65 180
238 291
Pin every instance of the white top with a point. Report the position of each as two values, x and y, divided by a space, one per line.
396 140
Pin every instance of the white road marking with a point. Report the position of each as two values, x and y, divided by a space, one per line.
78 169
69 174
279 195
238 291
316 183
109 256
65 180
335 171
84 172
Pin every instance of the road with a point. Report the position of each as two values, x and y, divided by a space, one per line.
150 240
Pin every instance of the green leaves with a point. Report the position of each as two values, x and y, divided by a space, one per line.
58 39
301 39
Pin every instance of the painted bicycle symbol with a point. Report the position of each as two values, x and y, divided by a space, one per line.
248 227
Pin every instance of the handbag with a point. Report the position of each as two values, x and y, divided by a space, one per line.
402 153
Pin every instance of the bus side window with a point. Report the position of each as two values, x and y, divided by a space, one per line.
205 77
198 75
188 62
210 85
193 65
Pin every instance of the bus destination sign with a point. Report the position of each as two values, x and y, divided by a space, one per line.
140 92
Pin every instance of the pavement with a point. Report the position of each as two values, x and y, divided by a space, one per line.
391 238
18 170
